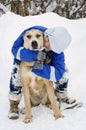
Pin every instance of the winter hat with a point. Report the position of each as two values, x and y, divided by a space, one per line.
59 38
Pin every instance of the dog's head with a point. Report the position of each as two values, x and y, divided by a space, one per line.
33 39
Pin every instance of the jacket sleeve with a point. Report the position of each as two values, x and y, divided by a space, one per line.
58 63
22 54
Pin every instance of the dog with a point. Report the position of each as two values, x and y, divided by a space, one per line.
36 90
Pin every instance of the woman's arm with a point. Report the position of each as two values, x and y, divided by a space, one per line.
58 62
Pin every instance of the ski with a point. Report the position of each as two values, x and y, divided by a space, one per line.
64 106
76 105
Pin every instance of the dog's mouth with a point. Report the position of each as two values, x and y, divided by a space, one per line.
34 44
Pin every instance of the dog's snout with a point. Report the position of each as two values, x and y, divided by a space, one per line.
34 44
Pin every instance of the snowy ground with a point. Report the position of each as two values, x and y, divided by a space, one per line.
10 27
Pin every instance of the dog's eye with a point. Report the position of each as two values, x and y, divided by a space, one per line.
29 36
38 35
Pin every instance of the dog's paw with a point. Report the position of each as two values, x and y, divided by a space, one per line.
59 115
27 120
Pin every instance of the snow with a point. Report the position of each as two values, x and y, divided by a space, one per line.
11 26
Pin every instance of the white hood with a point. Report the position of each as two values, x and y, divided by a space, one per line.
59 38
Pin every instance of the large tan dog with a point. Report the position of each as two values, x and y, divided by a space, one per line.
36 90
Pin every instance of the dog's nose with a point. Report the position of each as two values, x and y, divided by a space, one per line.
34 44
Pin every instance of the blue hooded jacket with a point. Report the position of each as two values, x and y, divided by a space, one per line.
57 67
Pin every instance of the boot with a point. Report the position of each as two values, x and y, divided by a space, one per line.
61 94
63 97
14 110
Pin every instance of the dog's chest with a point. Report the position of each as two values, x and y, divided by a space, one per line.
37 87
33 78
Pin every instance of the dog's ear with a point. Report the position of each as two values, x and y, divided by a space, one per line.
23 39
43 35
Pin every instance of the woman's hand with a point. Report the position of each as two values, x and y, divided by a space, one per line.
47 43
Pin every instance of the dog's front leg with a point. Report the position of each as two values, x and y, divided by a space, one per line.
51 95
28 113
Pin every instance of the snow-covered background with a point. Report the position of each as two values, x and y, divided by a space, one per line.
11 26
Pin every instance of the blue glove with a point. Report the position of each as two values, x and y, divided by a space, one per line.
41 56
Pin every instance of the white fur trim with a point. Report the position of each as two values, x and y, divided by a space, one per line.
18 53
14 96
65 77
12 115
16 76
52 74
